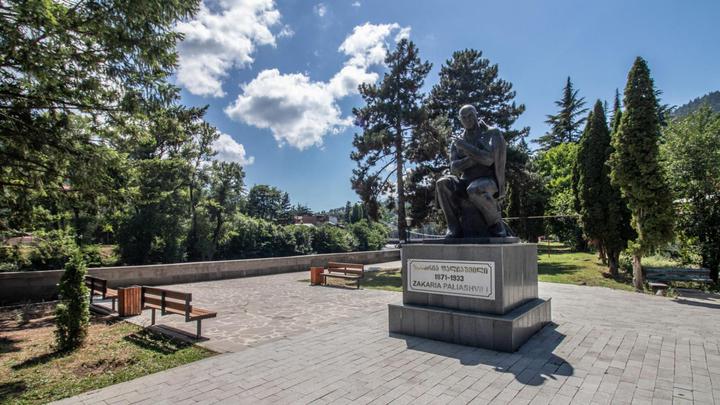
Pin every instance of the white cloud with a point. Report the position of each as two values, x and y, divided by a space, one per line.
230 151
301 112
286 32
223 35
320 9
297 111
356 4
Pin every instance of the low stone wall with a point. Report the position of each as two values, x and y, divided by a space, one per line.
42 285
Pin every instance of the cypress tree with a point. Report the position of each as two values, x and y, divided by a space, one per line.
636 170
72 315
604 217
565 126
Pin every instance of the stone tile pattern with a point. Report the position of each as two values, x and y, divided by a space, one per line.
606 347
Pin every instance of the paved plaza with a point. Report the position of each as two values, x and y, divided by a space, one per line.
286 342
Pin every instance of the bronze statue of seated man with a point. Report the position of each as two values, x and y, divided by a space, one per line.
477 185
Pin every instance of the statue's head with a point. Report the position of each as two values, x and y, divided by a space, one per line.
468 116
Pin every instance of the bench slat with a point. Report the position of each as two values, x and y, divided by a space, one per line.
168 293
338 265
169 304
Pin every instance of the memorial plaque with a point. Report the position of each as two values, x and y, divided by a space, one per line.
460 278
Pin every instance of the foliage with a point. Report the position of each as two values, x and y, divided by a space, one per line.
269 203
102 61
53 250
72 314
691 152
710 100
566 125
636 169
527 197
331 239
357 214
604 216
555 165
226 185
466 78
369 235
391 115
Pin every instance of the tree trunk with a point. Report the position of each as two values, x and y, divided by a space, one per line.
402 225
603 255
613 261
638 276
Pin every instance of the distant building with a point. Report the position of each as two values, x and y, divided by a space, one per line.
315 220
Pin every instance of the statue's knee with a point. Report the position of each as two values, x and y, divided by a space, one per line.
474 190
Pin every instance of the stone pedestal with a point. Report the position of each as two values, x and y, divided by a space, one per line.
470 294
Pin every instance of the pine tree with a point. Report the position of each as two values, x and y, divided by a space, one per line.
468 78
392 112
603 214
636 170
465 78
566 125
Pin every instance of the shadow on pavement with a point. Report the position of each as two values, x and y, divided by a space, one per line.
533 364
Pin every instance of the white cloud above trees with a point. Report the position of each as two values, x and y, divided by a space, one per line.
229 150
300 112
223 35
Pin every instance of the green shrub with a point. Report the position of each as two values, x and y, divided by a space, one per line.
53 250
11 259
303 238
91 255
331 239
72 314
369 235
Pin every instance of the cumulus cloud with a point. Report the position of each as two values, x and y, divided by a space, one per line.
230 151
299 111
320 9
356 4
223 35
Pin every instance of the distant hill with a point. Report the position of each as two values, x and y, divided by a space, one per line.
712 99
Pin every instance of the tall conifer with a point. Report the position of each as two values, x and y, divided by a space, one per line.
636 170
604 217
392 115
566 125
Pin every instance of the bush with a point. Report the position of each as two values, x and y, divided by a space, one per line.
303 238
369 235
11 259
331 239
72 314
91 255
53 251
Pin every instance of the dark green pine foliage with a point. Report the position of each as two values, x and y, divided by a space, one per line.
566 125
603 214
392 115
72 314
468 78
636 169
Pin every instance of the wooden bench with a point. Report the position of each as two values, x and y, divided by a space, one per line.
173 302
347 271
659 277
98 287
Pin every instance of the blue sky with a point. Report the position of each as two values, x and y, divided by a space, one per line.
279 77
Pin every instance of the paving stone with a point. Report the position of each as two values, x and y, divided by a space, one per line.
289 343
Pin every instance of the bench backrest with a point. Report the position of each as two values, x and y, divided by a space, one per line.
95 284
677 274
167 300
346 268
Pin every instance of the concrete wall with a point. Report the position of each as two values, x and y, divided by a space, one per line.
42 285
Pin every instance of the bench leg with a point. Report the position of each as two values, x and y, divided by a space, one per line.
152 321
113 304
199 327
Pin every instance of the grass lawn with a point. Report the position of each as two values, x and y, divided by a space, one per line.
31 372
557 264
